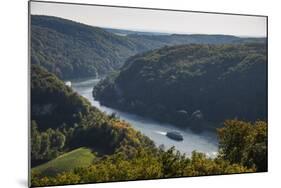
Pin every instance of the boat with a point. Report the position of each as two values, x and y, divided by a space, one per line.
174 135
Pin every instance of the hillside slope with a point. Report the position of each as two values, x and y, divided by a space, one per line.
78 158
62 120
53 104
184 84
75 50
70 49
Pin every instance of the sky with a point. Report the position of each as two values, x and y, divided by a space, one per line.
178 22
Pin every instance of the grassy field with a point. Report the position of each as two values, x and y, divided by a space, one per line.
80 157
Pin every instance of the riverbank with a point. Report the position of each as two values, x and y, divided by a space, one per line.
205 142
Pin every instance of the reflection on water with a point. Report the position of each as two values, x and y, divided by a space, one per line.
205 142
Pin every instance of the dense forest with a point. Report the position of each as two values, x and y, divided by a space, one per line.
75 50
191 85
72 50
118 152
63 120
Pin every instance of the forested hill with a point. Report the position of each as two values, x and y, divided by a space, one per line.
62 120
70 49
190 84
74 50
53 104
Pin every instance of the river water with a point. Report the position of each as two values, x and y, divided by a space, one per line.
205 142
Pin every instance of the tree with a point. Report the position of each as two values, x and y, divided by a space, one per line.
45 143
256 154
244 143
35 141
57 139
173 163
233 140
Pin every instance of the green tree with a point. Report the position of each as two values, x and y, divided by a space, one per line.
233 140
57 139
244 143
256 153
173 163
45 143
35 141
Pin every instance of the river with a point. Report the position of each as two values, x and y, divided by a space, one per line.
205 142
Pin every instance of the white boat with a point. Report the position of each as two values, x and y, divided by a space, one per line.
175 135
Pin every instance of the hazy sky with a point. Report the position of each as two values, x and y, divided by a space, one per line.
155 20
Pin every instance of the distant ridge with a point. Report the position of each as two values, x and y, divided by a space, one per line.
74 50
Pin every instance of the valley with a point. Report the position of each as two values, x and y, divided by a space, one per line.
104 99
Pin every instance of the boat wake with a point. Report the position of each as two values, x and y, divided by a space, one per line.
160 132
